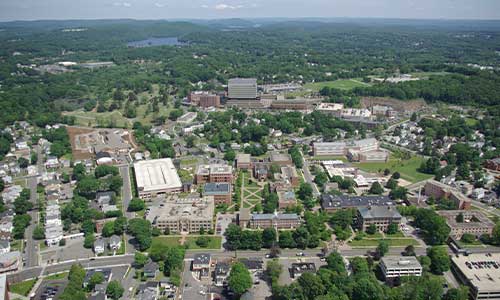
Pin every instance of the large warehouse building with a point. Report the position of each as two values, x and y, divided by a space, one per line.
242 88
480 272
156 177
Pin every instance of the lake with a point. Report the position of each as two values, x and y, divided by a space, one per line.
152 42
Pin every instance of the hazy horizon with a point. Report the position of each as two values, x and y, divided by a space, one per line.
28 10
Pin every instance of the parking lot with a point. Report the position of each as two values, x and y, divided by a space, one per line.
285 277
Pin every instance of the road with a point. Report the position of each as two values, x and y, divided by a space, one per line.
126 190
30 245
65 266
308 176
488 209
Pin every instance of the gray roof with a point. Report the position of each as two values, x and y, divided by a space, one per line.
410 262
344 201
379 212
217 188
273 216
201 259
242 81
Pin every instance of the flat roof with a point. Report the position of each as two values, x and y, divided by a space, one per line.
187 208
217 188
472 218
278 156
344 201
243 158
201 258
400 262
482 270
156 174
242 81
379 212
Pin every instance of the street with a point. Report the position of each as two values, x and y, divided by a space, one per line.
126 190
308 176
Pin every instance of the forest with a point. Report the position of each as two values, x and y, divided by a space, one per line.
275 52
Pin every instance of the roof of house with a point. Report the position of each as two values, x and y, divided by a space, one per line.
151 267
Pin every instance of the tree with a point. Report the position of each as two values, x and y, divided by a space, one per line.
391 184
108 229
495 235
2 185
239 280
409 251
38 233
398 193
174 258
382 248
286 239
462 293
89 240
114 290
104 170
433 226
335 262
140 259
269 237
95 279
233 237
230 155
440 261
202 241
136 204
396 175
312 285
273 270
413 117
23 162
372 229
468 238
366 288
392 228
141 230
376 188
305 191
460 218
320 179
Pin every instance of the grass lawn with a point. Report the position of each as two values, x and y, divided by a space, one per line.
247 204
251 185
407 168
17 245
84 118
471 122
23 288
342 84
214 243
59 276
403 242
187 162
171 241
398 234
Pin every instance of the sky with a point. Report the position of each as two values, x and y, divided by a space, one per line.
216 9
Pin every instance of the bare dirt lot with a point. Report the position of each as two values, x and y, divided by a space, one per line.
399 105
74 131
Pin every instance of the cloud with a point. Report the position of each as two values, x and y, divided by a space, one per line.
223 6
124 4
204 6
160 5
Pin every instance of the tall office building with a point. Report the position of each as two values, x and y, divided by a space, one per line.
242 89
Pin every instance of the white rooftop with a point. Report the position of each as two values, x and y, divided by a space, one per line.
156 174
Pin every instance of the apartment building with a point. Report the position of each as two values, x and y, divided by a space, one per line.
472 222
397 266
214 173
440 190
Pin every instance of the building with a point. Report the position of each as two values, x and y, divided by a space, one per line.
201 264
242 89
9 262
474 222
156 177
115 242
290 176
286 199
221 273
151 269
397 266
331 203
148 291
260 171
184 215
243 161
380 216
221 192
440 190
372 156
493 164
187 118
294 104
53 224
297 269
343 147
99 246
214 173
4 288
4 246
276 220
204 99
280 159
480 272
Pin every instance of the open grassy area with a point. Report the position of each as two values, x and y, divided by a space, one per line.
407 168
59 276
342 84
23 288
84 118
342 158
471 122
172 241
401 242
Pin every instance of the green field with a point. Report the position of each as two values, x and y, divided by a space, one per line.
342 84
59 276
407 168
172 241
402 242
341 158
23 288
